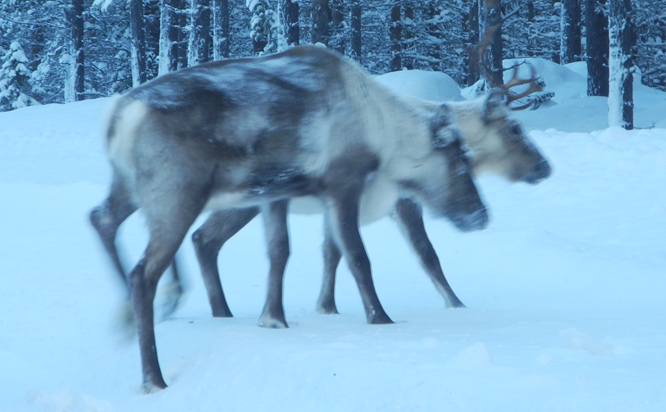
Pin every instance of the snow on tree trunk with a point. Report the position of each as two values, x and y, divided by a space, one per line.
320 19
596 25
490 14
193 34
355 24
570 46
287 30
137 29
221 40
165 46
395 31
621 65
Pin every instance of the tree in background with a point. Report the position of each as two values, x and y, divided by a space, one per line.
74 84
396 36
596 27
288 29
622 34
320 19
14 79
570 46
221 33
262 26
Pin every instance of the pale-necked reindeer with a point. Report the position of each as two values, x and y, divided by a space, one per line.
497 145
256 132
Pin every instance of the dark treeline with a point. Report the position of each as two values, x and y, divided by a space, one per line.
68 50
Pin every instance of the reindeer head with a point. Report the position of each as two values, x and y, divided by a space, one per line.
442 180
499 143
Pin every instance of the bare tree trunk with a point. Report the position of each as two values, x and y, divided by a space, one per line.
166 63
355 23
596 25
622 36
288 29
75 89
193 34
490 15
570 46
221 34
320 19
137 29
396 37
473 73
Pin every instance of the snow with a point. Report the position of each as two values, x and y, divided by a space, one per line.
564 290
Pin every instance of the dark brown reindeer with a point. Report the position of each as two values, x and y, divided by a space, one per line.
498 145
256 132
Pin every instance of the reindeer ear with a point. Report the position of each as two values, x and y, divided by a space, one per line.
494 106
442 117
443 132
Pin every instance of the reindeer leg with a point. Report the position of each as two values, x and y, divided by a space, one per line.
208 240
410 219
107 217
170 207
326 301
346 180
277 237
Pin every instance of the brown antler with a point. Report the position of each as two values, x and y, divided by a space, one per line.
478 54
534 86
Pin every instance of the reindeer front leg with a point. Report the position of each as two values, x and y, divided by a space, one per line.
331 251
208 240
345 182
409 217
277 240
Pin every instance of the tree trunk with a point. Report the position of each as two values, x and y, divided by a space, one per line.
355 23
473 74
570 47
288 29
75 89
622 36
137 29
395 31
596 25
320 19
193 34
221 34
166 61
490 14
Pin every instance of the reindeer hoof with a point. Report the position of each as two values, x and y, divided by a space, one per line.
267 321
379 319
327 309
150 387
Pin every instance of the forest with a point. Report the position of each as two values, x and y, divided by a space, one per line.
55 51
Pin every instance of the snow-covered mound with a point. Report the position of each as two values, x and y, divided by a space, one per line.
564 289
567 82
435 86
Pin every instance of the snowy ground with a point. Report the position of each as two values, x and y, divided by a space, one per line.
564 289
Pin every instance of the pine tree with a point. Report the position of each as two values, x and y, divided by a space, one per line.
14 79
262 26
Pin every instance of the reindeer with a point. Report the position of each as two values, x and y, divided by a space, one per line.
256 132
497 144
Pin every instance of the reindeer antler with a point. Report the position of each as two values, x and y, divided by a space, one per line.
479 57
534 86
